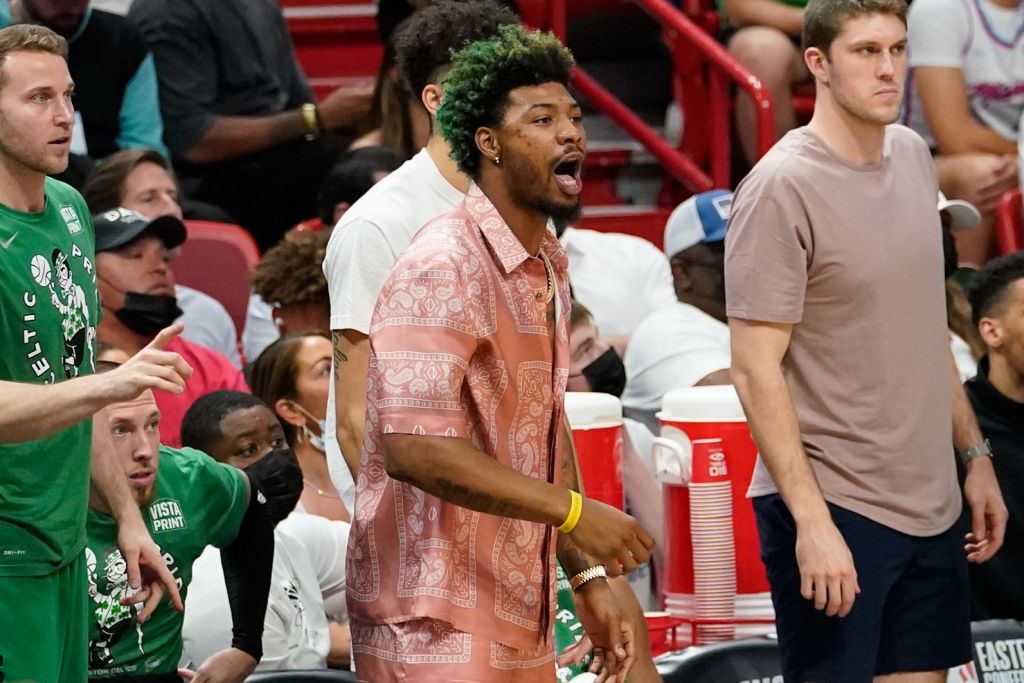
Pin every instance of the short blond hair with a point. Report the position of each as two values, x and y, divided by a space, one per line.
29 38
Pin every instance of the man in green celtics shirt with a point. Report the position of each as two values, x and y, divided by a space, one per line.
189 501
48 316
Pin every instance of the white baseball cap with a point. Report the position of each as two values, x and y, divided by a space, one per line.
963 215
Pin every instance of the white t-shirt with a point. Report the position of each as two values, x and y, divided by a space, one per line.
208 323
984 41
308 574
361 253
621 278
966 366
675 347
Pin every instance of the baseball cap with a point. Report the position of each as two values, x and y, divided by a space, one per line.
118 227
701 218
963 215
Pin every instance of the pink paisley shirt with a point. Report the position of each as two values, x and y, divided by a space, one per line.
460 348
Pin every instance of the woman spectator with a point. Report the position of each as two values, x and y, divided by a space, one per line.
291 376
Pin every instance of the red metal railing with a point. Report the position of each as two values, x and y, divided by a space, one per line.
704 72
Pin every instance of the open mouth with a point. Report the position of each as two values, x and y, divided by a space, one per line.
60 141
567 174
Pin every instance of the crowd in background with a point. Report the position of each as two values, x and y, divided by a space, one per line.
190 110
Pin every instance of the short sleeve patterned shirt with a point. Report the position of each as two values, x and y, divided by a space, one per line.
460 348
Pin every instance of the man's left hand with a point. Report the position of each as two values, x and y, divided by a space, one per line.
988 512
227 666
146 570
613 635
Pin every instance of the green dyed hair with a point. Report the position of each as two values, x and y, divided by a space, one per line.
482 76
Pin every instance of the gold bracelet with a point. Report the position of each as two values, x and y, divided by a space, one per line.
575 510
587 575
310 118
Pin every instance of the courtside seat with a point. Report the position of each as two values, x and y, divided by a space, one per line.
302 676
217 259
750 659
1009 234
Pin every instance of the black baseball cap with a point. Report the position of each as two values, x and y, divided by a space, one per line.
118 227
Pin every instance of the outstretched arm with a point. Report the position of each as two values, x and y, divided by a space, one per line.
35 411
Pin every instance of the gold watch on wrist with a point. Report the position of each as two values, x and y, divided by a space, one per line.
586 576
311 118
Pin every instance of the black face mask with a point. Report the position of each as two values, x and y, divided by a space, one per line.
606 374
279 478
147 314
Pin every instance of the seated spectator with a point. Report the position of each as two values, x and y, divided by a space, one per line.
291 376
355 173
767 42
306 618
115 78
621 278
397 120
966 101
136 285
997 395
687 343
141 180
289 292
192 501
965 343
244 129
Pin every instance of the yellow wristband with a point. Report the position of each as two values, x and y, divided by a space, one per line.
573 518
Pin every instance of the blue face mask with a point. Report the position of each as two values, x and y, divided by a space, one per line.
315 440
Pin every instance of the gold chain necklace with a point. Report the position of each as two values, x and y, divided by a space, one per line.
550 272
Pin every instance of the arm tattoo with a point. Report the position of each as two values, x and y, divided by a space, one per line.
475 500
339 355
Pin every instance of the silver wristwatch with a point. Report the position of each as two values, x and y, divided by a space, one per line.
975 451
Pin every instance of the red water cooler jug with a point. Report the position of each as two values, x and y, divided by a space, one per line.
711 416
596 421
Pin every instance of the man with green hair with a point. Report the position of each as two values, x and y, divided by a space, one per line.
466 465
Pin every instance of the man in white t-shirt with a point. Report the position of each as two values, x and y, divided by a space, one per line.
620 278
686 343
378 227
966 98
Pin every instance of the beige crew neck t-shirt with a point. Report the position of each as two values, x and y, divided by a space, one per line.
851 256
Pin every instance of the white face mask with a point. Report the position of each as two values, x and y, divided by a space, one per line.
315 440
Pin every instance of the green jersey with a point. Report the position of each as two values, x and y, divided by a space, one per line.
196 502
48 314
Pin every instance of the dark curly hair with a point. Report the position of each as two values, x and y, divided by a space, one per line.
482 76
426 41
988 290
291 272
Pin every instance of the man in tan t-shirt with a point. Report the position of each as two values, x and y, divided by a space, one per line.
834 288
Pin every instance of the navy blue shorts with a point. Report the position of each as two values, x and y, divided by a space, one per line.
912 613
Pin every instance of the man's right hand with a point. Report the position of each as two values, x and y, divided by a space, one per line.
827 573
612 537
345 107
151 368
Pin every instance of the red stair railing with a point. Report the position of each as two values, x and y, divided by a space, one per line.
704 73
